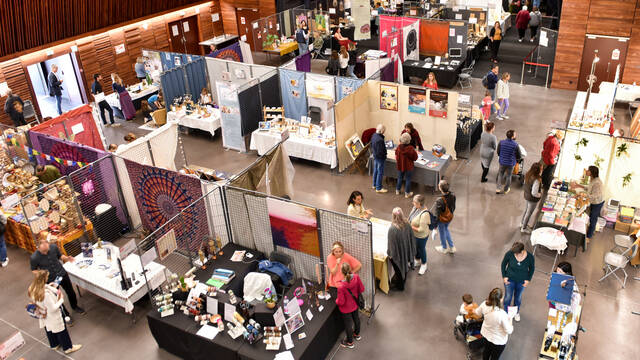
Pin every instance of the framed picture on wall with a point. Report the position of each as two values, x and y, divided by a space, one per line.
438 103
389 97
418 100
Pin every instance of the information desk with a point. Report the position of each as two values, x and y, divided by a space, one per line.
446 75
422 174
296 146
194 121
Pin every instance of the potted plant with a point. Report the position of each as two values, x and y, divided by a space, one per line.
269 40
269 298
183 285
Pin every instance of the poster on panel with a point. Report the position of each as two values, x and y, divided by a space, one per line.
320 86
230 117
361 12
438 102
294 226
418 100
388 97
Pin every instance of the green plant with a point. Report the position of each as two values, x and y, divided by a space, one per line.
622 149
598 161
577 157
626 180
269 40
583 142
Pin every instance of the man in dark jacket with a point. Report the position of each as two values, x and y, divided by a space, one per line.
444 202
96 88
492 80
14 111
379 150
509 153
55 86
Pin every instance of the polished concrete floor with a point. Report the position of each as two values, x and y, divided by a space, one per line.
416 323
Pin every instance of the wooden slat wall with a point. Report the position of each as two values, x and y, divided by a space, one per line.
14 74
632 65
611 17
573 28
228 8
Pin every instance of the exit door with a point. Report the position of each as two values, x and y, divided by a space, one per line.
610 52
183 36
244 18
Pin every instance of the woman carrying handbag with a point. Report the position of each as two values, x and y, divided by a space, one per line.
349 291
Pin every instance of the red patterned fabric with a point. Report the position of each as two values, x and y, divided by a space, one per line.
89 135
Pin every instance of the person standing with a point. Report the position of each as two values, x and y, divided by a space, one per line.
517 269
302 38
349 290
420 221
11 108
4 260
96 88
502 93
532 194
496 327
128 110
534 22
47 173
48 298
522 22
405 156
333 64
401 247
55 86
416 142
508 156
47 257
335 260
355 207
379 150
443 210
492 81
595 191
344 60
495 38
353 59
138 67
550 152
488 146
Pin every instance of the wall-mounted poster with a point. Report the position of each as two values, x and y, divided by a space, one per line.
438 102
418 100
388 97
294 226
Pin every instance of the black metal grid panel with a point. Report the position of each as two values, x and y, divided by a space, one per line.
215 211
239 218
260 226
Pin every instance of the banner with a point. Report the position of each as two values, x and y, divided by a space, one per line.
294 95
231 122
418 100
320 86
411 36
438 103
11 141
346 86
232 53
361 12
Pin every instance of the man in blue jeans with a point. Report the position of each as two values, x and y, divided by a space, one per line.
509 153
492 80
446 201
379 150
55 87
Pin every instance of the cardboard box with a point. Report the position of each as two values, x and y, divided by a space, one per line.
624 227
633 228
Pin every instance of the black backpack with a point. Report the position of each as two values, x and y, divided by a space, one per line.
485 81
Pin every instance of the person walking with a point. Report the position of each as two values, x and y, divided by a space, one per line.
302 38
420 221
344 60
517 269
4 260
96 88
508 156
443 209
379 150
12 107
55 86
532 194
492 81
550 152
534 22
353 59
495 38
496 327
488 146
595 191
349 290
405 156
502 93
128 110
401 247
522 22
48 299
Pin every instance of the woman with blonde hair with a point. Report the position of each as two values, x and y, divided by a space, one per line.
336 259
344 60
128 110
48 299
401 247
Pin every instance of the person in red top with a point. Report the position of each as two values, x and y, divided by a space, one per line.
522 22
405 156
415 136
430 82
335 260
348 291
550 151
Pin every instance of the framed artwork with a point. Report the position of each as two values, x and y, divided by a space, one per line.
294 226
438 103
418 100
388 97
294 323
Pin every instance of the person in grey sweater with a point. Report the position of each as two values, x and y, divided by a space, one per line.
488 146
401 247
534 23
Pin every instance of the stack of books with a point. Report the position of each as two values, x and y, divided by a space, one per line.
223 275
626 214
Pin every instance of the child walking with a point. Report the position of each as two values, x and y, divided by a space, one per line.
486 105
502 93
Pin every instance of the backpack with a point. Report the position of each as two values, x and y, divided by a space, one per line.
446 216
36 311
485 81
300 36
433 220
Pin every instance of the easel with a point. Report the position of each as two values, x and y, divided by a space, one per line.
360 162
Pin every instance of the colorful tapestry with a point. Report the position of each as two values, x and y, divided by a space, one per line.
77 125
232 53
294 226
63 149
161 194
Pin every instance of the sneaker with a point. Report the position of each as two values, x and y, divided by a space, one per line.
483 180
452 250
397 192
345 344
408 195
507 191
107 125
55 348
382 191
74 348
79 310
5 262
116 125
499 118
373 187
357 336
423 269
441 250
525 230
416 262
505 116
519 40
532 40
517 317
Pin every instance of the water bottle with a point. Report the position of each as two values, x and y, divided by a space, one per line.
285 302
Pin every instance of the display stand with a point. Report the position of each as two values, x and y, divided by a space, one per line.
272 113
469 128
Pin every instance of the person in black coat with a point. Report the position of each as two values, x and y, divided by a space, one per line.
13 107
379 150
55 86
96 88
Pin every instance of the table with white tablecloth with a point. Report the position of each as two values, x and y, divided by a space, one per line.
101 276
551 238
296 146
379 238
114 102
210 123
624 92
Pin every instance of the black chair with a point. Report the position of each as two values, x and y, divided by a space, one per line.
315 113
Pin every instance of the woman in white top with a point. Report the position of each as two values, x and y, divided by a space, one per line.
355 207
596 197
502 93
48 298
344 60
496 327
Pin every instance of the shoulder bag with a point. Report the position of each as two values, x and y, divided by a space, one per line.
446 216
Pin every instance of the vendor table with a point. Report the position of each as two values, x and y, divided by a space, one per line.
379 238
136 96
597 105
72 235
95 277
422 174
574 238
220 42
551 238
446 75
283 49
194 121
295 146
19 234
625 93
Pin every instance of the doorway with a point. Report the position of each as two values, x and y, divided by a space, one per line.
611 52
183 36
72 85
244 18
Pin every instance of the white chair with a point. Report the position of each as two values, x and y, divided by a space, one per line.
622 241
614 262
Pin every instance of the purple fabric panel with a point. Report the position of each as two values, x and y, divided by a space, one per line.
303 62
126 105
386 73
63 149
232 53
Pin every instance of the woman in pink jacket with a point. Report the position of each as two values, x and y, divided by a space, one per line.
349 290
522 22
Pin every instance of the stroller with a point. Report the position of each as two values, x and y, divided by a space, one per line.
518 170
468 330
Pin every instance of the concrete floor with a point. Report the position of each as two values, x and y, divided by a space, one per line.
418 322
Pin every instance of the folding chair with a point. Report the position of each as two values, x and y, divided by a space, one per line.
28 111
614 262
622 241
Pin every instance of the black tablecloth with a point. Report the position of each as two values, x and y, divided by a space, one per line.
467 141
573 237
446 78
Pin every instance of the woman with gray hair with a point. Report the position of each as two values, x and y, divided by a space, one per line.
443 210
420 219
405 156
379 150
401 247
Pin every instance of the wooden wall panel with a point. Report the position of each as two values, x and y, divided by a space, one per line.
573 28
218 28
14 74
611 17
228 9
632 65
161 36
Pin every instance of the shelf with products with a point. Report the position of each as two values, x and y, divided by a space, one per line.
272 113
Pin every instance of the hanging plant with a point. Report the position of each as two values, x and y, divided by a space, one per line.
622 149
626 180
583 142
577 157
598 161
